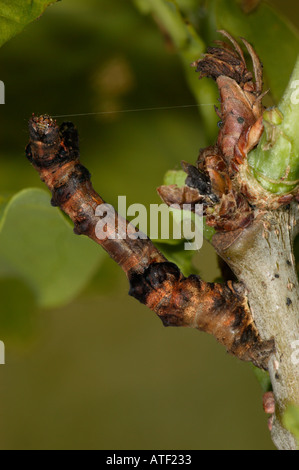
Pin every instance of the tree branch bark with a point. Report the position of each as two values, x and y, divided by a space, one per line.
262 258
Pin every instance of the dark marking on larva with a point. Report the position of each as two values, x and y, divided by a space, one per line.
218 305
248 335
241 120
289 262
61 195
29 153
45 163
82 226
240 317
139 289
80 174
62 152
185 297
276 275
288 302
152 279
70 135
277 376
60 159
157 273
194 279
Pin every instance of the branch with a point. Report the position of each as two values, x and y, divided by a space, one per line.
263 259
189 45
221 310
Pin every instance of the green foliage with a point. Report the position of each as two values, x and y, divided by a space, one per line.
291 420
175 250
263 379
16 14
178 255
38 247
177 177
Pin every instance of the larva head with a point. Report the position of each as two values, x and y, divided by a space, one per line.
43 129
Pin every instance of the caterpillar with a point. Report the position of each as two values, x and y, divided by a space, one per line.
219 309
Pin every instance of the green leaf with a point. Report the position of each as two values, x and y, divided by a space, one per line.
16 14
178 255
275 39
263 378
177 177
291 420
38 246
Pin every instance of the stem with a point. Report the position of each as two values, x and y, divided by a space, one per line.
190 47
275 161
263 260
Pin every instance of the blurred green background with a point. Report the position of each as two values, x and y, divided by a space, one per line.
100 372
